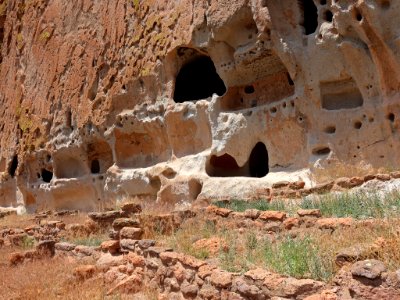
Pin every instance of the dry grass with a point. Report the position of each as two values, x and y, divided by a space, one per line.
13 221
37 280
310 254
23 221
384 234
193 230
53 279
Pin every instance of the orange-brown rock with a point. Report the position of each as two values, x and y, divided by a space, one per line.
221 279
349 182
333 223
111 246
309 213
272 216
135 260
132 233
290 223
212 245
222 212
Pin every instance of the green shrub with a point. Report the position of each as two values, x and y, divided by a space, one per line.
28 242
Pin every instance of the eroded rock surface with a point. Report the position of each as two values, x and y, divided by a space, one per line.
181 101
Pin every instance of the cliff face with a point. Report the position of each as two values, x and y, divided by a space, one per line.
185 100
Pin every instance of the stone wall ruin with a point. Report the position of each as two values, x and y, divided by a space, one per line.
181 101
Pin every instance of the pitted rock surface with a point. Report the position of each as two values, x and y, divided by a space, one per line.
183 101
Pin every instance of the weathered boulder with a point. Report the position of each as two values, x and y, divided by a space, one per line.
131 233
371 269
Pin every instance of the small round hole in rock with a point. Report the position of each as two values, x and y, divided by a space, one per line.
13 166
47 175
328 16
391 117
358 15
95 167
357 125
321 151
249 89
273 110
330 129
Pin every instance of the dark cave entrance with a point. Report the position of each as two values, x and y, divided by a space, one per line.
47 176
310 16
258 161
226 165
13 167
95 166
198 79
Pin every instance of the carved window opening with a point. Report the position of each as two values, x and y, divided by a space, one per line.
226 165
310 16
258 162
13 167
95 166
47 176
198 79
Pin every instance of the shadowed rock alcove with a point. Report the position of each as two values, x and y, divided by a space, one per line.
226 165
198 79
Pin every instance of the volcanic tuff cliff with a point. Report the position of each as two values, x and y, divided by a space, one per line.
185 100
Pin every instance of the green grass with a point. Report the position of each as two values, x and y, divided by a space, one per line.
92 241
356 205
299 257
242 205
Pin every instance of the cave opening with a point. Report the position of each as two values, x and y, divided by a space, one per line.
225 161
198 79
310 16
95 166
13 167
47 176
226 165
258 161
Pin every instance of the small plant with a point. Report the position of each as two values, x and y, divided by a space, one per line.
28 242
20 41
251 241
136 4
3 8
200 253
45 35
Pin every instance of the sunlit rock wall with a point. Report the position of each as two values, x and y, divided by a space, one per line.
179 101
